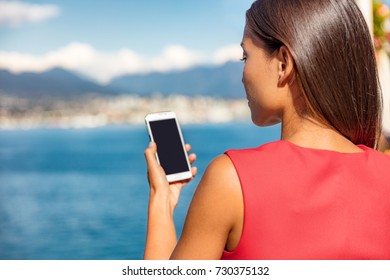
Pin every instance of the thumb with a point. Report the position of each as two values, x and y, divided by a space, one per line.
155 171
150 155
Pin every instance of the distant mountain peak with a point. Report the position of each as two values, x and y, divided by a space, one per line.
210 80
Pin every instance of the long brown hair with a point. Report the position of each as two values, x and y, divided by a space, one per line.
334 60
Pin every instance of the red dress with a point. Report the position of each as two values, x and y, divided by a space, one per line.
302 203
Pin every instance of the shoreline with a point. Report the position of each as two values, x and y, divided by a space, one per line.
98 111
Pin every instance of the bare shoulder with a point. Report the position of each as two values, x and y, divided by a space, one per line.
215 210
220 186
221 170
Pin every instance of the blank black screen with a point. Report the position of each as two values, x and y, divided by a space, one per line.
169 147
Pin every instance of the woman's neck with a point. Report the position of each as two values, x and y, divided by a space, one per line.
309 133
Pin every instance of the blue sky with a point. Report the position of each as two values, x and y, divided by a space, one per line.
142 25
38 34
106 38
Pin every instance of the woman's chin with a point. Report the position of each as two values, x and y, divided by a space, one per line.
262 122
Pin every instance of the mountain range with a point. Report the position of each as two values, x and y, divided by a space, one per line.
222 81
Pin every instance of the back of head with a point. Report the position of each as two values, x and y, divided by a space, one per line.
334 60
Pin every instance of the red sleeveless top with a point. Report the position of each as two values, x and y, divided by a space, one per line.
302 203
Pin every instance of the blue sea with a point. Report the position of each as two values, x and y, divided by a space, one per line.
82 193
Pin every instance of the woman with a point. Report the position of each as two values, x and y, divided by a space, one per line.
322 191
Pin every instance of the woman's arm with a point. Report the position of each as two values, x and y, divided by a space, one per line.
215 217
161 234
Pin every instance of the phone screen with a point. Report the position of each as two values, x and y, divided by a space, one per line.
169 146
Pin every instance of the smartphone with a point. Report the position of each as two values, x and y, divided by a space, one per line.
165 131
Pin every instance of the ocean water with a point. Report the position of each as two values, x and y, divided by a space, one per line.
83 194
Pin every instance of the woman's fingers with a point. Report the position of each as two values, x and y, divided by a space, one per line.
156 174
194 171
192 158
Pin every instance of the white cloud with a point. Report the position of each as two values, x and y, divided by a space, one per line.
103 66
231 52
15 13
176 57
79 57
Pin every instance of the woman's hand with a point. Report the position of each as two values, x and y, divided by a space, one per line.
158 182
164 196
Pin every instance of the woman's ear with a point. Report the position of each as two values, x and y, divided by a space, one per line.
286 70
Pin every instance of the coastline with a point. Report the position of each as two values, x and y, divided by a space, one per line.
97 111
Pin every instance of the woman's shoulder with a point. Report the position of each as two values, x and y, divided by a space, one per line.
377 159
263 147
284 154
268 149
215 210
284 147
221 167
220 180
